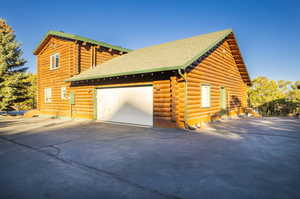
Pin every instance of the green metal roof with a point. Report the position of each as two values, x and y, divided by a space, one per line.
78 38
168 56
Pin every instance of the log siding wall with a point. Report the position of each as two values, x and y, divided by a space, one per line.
219 69
54 79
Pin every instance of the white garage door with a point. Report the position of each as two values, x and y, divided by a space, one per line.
126 105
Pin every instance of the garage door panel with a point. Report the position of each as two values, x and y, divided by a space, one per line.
127 105
131 114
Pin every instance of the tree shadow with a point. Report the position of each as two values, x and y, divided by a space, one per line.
234 104
7 123
130 113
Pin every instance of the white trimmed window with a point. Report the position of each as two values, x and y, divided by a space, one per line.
63 93
54 61
48 95
205 96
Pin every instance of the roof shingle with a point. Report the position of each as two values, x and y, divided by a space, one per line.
163 57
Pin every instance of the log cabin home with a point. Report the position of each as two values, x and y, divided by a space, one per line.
182 83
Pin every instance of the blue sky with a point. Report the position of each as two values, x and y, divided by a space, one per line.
267 31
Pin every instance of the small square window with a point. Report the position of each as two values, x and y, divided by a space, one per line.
54 61
63 93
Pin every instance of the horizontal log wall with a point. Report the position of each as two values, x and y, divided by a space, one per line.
54 79
85 57
83 107
104 55
162 104
218 69
90 55
75 57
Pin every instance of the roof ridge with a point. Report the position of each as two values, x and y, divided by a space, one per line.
229 30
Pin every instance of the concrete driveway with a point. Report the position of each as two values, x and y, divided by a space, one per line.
251 158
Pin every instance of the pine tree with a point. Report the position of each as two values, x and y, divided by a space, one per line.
12 70
29 93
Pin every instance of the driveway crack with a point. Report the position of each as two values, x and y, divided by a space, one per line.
90 168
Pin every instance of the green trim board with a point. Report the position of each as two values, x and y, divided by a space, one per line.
72 98
174 55
78 38
95 104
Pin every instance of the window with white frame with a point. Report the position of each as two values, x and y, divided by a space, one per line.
63 93
205 95
54 61
48 95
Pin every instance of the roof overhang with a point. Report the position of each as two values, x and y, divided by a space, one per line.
75 38
237 55
228 35
91 77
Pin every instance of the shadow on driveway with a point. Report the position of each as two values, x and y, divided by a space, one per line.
250 158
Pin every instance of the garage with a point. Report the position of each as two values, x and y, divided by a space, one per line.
131 105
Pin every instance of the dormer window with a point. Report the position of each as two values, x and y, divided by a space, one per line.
54 61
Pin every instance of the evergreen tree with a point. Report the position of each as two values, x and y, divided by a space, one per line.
12 71
274 98
29 93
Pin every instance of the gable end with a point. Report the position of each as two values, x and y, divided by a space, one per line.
75 38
